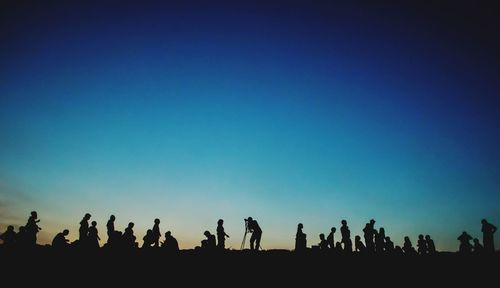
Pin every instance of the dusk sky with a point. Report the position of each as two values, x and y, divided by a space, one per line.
286 111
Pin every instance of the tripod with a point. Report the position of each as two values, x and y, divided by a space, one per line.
244 236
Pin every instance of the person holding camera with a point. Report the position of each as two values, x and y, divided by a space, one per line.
254 228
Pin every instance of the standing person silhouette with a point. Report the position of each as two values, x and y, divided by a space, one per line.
331 238
84 228
431 248
254 228
465 246
110 226
346 237
93 236
488 230
32 228
300 239
221 235
156 233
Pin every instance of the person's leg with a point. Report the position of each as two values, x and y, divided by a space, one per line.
252 240
258 241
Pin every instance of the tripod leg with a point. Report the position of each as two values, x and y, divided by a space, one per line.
243 242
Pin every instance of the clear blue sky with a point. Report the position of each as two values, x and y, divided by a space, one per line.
280 110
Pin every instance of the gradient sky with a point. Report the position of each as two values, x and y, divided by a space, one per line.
286 111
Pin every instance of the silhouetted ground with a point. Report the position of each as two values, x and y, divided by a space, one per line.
281 267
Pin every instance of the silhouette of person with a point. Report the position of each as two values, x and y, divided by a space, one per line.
421 245
128 236
488 230
60 240
300 239
408 247
156 233
209 243
379 240
465 246
93 236
358 245
254 228
84 228
369 232
170 243
346 236
148 239
478 248
110 226
331 238
32 228
389 245
221 235
323 244
429 244
9 236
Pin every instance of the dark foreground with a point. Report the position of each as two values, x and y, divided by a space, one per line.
44 265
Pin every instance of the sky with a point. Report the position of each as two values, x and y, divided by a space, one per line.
286 111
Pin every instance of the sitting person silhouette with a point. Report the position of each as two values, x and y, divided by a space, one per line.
128 236
431 248
60 240
478 248
408 247
421 245
209 243
148 239
170 243
358 245
389 245
9 236
300 239
323 244
254 228
465 246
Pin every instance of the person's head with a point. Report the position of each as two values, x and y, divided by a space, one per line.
157 221
65 232
381 230
22 229
131 225
207 234
387 239
10 228
87 216
34 214
476 241
407 239
300 226
344 222
322 236
249 219
484 221
149 232
427 237
421 237
372 221
333 229
94 223
112 218
220 222
357 238
168 234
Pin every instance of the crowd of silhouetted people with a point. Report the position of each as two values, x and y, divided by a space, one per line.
375 240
